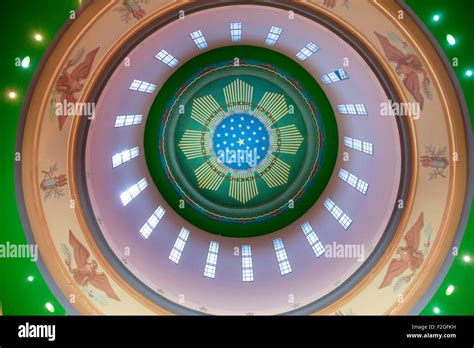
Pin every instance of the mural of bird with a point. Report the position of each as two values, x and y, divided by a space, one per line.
329 3
410 257
408 65
69 83
86 272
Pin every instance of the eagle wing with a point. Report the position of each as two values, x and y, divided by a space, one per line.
80 252
412 83
101 282
412 237
396 268
82 70
393 54
69 98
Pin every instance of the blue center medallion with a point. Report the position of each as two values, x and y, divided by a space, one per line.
241 141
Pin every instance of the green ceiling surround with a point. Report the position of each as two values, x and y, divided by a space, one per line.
17 294
455 19
21 297
187 126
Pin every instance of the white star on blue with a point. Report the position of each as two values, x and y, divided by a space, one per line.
245 133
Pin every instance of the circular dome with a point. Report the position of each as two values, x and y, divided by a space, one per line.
241 141
165 192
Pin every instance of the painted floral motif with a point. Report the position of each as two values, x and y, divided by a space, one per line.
69 83
410 257
131 8
85 273
436 160
333 3
52 184
407 65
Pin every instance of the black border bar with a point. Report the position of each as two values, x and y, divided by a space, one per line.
243 331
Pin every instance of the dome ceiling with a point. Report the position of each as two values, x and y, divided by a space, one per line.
244 165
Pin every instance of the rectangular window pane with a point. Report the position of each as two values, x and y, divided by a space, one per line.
150 88
135 84
345 221
116 160
199 39
142 184
134 152
342 109
235 31
160 212
282 258
354 181
152 222
352 109
137 119
178 247
307 51
362 186
247 267
338 214
142 86
367 148
359 145
124 156
329 204
343 174
145 231
211 262
313 239
342 74
348 142
119 121
129 120
360 109
325 79
334 76
273 36
166 58
129 194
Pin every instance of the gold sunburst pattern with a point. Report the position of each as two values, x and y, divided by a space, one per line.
269 110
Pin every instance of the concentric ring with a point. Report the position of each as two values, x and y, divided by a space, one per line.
305 133
319 284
